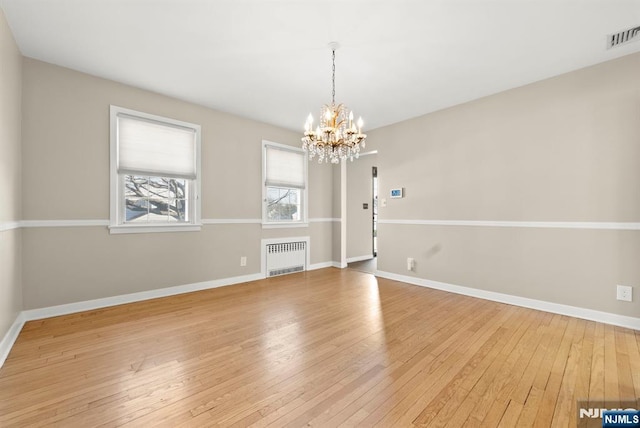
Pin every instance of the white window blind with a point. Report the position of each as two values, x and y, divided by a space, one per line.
284 168
146 147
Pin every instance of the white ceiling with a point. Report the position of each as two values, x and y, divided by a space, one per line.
268 59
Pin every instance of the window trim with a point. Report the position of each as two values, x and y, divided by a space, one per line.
304 221
116 188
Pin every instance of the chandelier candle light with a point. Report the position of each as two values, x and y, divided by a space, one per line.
336 138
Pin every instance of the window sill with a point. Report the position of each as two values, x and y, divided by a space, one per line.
153 228
283 225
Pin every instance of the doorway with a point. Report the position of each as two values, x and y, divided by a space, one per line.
374 211
361 181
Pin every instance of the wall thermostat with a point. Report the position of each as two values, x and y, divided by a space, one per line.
397 193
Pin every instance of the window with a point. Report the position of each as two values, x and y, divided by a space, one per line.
155 173
285 185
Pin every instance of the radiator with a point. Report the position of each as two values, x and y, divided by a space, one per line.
286 258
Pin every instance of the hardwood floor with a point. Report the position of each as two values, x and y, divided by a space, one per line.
322 348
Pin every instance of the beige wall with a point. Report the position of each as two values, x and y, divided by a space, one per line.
359 220
10 186
95 264
66 177
564 149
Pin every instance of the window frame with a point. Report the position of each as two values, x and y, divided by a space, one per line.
304 219
117 223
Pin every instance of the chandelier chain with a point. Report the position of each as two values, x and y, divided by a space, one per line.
333 79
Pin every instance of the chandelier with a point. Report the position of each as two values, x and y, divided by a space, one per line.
336 138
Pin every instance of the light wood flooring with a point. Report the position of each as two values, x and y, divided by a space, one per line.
323 348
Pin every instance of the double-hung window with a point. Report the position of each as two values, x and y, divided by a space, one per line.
284 193
155 173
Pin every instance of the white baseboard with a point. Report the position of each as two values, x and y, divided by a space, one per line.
324 265
10 338
556 308
88 305
320 265
359 258
34 314
53 311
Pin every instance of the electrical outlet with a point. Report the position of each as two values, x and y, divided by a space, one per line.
625 293
410 263
243 261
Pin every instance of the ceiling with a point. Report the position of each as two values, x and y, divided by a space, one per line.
268 59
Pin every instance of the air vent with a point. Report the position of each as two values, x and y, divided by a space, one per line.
623 37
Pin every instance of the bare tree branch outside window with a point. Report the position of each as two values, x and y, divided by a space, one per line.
283 204
150 199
